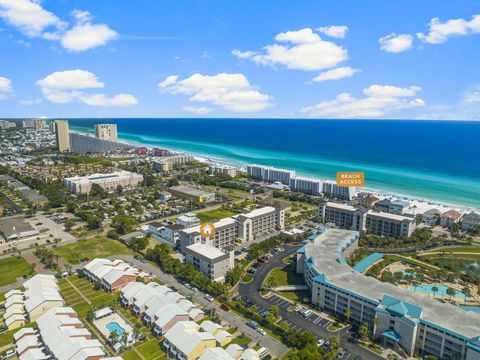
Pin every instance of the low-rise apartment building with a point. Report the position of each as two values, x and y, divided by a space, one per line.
108 182
167 163
188 220
407 322
210 260
185 341
450 217
470 221
167 234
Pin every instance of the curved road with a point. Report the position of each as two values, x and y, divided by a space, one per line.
251 291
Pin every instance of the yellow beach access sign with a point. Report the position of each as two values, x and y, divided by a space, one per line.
350 178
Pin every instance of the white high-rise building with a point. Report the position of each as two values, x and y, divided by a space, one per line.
270 174
331 189
4 124
106 132
306 185
62 135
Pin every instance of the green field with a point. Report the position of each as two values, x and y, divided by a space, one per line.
91 248
285 276
299 296
215 214
13 267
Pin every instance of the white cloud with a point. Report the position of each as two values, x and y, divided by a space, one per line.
230 91
66 86
336 31
379 101
335 74
396 43
439 31
5 88
86 36
200 110
29 17
301 50
30 102
471 97
82 16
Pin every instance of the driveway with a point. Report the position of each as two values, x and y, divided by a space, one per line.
317 322
276 348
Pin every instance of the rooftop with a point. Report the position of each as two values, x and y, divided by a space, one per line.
206 250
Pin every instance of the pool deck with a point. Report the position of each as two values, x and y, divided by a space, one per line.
101 324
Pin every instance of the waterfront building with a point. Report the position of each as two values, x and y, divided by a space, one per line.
270 174
62 135
4 124
167 163
392 206
259 222
108 182
194 194
39 124
188 220
106 132
342 215
410 323
368 201
27 123
223 169
210 260
306 185
450 217
431 217
331 190
470 221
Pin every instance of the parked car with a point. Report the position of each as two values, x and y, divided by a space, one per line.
341 353
224 307
307 313
194 289
264 313
8 354
188 286
253 324
320 342
208 297
261 331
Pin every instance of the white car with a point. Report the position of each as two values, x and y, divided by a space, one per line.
320 342
8 354
194 289
208 297
188 286
261 331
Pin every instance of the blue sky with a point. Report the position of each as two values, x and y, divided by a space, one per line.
319 59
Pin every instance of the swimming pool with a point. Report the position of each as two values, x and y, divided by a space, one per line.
114 326
471 308
442 290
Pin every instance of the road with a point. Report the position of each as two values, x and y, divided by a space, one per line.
317 323
276 348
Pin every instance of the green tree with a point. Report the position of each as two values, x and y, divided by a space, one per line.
335 342
466 292
434 290
348 314
363 331
274 310
451 292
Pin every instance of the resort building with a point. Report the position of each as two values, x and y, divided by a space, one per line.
431 217
185 341
62 135
450 217
4 124
40 295
270 174
106 132
470 221
167 234
331 190
168 163
226 233
108 182
223 169
112 275
306 185
167 317
60 335
410 323
392 206
222 336
368 201
188 220
360 219
194 194
210 260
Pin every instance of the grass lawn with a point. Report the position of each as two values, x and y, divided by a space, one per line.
151 350
13 267
91 248
215 214
299 296
242 340
453 250
285 276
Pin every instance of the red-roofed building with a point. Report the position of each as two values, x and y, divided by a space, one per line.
369 201
450 217
160 152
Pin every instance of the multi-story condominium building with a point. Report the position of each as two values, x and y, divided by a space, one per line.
392 206
106 132
243 227
226 233
7 124
223 169
39 124
470 221
331 190
185 341
342 215
410 323
167 163
270 174
259 222
27 123
167 234
210 260
188 220
360 219
389 225
62 135
108 182
306 185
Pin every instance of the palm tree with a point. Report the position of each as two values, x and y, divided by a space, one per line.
451 292
435 290
348 314
466 291
274 310
363 331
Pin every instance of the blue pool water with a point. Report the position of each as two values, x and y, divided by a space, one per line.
442 290
114 326
406 272
471 308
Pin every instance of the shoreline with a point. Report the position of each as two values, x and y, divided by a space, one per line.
421 204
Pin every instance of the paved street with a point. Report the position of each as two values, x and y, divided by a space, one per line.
317 322
276 348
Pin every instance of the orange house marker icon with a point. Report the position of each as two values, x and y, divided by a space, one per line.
207 229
